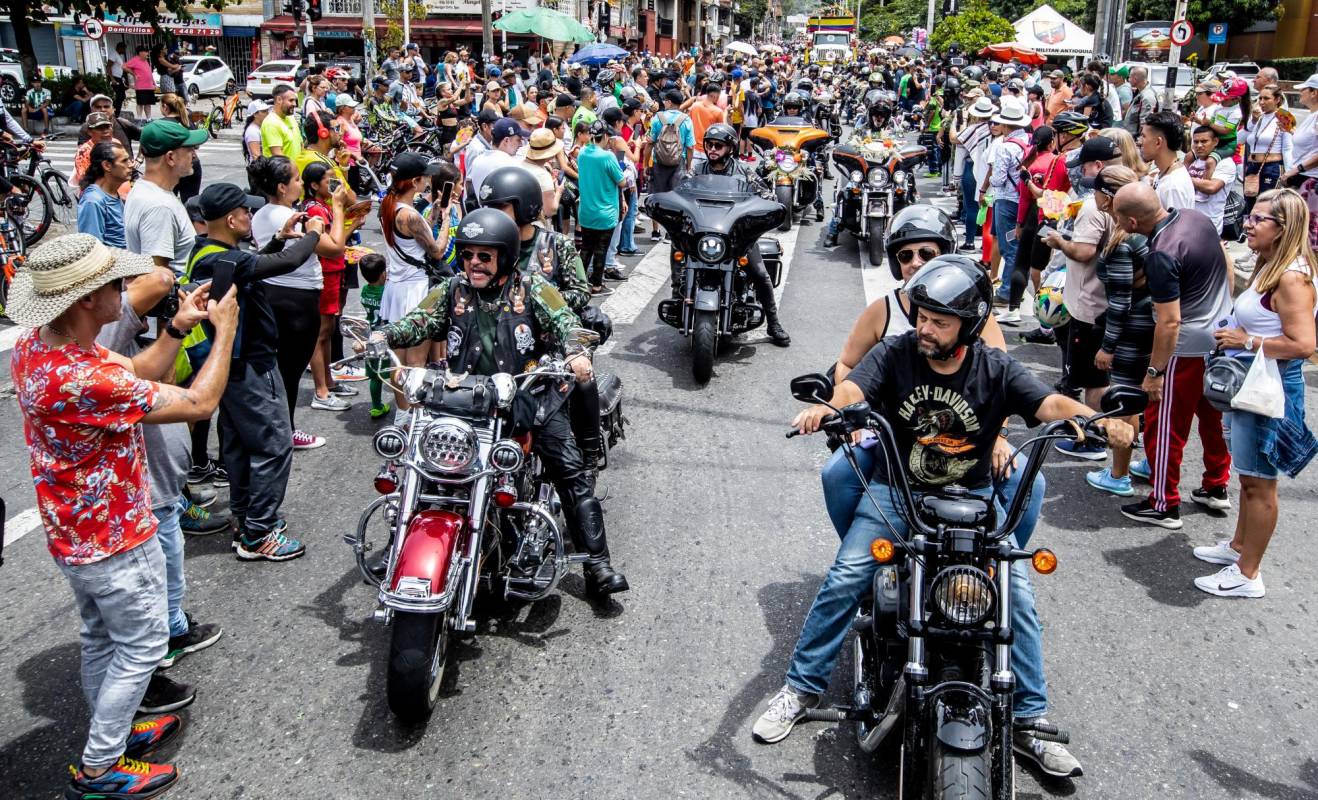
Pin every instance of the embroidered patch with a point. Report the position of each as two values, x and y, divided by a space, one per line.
454 340
523 338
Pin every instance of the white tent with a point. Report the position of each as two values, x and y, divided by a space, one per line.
1052 34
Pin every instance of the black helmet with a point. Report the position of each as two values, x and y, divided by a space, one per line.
1071 122
793 100
952 86
724 133
805 85
492 228
813 69
517 186
973 74
918 223
953 284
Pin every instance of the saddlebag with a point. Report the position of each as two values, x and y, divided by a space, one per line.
913 155
611 418
772 253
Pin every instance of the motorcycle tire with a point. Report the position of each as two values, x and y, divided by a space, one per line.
954 775
418 651
704 345
783 194
874 245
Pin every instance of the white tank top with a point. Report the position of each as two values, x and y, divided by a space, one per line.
398 270
1256 318
898 322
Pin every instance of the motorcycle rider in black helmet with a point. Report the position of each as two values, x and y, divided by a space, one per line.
494 320
877 119
720 159
797 112
936 383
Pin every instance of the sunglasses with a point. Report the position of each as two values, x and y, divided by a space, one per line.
1254 219
483 257
926 254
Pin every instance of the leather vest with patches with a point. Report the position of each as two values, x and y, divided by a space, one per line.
545 259
518 338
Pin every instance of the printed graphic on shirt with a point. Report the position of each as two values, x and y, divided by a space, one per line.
943 423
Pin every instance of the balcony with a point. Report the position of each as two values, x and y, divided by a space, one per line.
665 27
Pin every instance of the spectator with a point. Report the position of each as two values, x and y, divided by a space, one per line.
1303 174
100 128
1004 157
1161 139
280 133
329 203
118 76
1059 99
974 139
1144 101
1275 316
585 111
1187 278
1032 255
318 87
704 112
623 240
77 101
543 159
36 105
1119 78
144 82
100 208
599 177
1267 144
1212 178
508 137
81 406
1233 106
672 155
257 111
172 108
124 131
1092 103
322 134
155 222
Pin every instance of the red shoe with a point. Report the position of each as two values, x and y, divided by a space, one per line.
128 779
151 734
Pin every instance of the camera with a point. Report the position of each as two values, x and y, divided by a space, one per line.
167 306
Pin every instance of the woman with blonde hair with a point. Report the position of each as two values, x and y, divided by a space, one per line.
172 107
1275 319
1130 152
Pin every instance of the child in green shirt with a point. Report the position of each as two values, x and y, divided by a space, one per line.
372 268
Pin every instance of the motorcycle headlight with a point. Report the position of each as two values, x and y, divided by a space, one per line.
878 178
963 595
711 248
899 176
856 176
390 442
448 445
788 164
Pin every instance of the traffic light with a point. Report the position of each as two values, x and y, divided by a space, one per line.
313 10
294 8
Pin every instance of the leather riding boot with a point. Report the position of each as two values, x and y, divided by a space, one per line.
764 293
584 414
601 578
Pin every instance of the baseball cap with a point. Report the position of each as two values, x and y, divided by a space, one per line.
256 107
193 207
408 164
508 127
344 100
1310 83
219 199
96 97
564 101
163 135
1057 73
601 128
488 115
379 80
1099 148
412 46
1232 89
99 119
1123 71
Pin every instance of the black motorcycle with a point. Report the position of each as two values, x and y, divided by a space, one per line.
876 179
714 221
933 644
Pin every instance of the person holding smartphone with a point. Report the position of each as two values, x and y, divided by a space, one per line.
326 199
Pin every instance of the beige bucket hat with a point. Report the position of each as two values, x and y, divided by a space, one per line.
64 269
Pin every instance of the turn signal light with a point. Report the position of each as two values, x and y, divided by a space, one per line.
799 157
504 498
1044 561
678 255
386 482
743 261
882 550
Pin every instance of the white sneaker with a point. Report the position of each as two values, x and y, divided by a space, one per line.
348 373
1012 317
331 403
1220 553
1230 582
785 710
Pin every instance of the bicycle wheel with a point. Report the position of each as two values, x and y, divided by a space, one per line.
61 195
34 209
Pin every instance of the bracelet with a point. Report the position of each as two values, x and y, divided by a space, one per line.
175 332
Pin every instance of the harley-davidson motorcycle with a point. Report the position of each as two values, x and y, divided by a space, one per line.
876 179
714 221
933 638
791 161
465 510
828 109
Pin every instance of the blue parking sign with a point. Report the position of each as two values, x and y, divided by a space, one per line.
1217 33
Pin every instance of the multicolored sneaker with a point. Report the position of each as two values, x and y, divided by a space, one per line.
149 735
200 522
268 547
128 778
281 525
200 493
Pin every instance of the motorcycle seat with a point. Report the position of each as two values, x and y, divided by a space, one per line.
610 389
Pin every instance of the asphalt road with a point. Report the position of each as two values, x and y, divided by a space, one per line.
718 522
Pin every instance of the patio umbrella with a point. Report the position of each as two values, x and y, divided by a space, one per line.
597 54
546 24
1006 52
771 48
742 47
907 51
894 40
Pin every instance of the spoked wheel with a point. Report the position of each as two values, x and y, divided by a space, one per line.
35 209
418 651
783 194
213 124
704 343
61 196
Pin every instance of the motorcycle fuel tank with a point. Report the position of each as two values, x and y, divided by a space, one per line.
427 550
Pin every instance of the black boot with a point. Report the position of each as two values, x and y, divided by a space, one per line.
830 239
819 213
602 579
777 334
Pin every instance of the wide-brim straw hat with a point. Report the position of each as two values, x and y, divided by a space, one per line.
983 108
63 270
543 146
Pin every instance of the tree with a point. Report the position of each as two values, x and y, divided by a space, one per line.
392 10
973 29
1238 14
897 17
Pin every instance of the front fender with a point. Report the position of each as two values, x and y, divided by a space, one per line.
962 721
428 549
707 299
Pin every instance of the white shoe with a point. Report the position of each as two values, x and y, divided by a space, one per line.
1012 317
1220 553
1231 582
348 373
331 403
785 710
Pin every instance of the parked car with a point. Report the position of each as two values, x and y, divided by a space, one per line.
1242 69
354 65
207 75
1185 78
261 82
12 84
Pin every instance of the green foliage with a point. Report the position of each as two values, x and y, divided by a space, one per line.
897 17
1238 14
974 28
1292 69
392 10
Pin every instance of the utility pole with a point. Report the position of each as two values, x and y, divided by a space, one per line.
700 44
487 31
1101 17
1174 57
929 20
368 34
407 22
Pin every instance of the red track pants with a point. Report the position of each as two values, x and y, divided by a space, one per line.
1167 427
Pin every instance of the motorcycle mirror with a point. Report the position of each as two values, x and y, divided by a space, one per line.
812 388
505 388
355 328
1124 401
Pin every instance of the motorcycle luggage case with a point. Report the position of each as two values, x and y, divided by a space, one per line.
772 253
611 419
913 154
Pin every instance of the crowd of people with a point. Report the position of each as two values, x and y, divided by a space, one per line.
1083 189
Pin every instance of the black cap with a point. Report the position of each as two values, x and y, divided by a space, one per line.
193 207
601 128
219 199
1099 148
564 101
1099 185
407 165
612 115
488 115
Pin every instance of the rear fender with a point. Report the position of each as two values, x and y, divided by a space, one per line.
427 550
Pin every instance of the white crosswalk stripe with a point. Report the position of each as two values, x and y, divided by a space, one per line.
61 151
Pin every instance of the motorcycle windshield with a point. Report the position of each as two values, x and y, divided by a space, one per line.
721 204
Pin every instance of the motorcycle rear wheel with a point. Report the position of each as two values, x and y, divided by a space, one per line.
954 775
418 652
783 194
704 344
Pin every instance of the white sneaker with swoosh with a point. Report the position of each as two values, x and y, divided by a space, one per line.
1231 582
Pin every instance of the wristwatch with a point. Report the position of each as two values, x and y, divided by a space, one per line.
1154 372
1249 344
175 332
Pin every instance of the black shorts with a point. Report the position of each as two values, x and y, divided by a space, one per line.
665 179
146 97
1083 343
745 132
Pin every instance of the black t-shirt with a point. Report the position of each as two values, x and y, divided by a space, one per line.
946 425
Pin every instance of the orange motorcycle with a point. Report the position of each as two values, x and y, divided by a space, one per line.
791 159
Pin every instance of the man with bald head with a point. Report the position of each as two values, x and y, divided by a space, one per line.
1189 281
1266 76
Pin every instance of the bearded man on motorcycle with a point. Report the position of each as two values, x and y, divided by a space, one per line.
495 319
720 144
946 396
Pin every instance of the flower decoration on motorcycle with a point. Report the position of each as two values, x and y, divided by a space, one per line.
1053 203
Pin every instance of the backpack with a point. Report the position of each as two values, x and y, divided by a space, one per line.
668 149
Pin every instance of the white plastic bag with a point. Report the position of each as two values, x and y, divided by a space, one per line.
1261 393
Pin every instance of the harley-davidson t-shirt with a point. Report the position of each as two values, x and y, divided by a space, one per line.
946 425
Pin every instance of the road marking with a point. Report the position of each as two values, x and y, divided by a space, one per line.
21 524
9 336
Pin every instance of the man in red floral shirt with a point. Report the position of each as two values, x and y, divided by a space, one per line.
81 408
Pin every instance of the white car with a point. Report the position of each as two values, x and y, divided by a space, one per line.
12 84
261 82
207 75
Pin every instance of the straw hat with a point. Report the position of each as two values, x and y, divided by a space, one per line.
543 146
63 270
982 108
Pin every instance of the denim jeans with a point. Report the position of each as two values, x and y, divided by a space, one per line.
852 575
124 634
171 542
1004 230
623 238
1262 447
969 201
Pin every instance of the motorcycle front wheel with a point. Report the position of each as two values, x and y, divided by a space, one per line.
704 343
874 245
783 194
418 651
955 775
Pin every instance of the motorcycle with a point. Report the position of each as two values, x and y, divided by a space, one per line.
933 644
713 221
876 179
790 160
465 511
828 115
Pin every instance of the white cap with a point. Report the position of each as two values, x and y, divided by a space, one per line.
256 107
344 100
1310 83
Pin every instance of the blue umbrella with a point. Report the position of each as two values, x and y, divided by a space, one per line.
597 54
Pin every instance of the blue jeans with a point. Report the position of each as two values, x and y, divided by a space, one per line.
171 541
852 575
1262 447
623 236
969 202
1004 230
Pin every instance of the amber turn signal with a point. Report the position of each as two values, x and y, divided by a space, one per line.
743 261
1044 561
882 550
678 255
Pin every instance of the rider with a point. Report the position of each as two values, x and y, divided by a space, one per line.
939 374
796 113
720 144
495 320
876 121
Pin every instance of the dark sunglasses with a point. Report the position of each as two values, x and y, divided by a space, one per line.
483 257
926 254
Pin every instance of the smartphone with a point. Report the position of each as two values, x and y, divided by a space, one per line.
1045 230
334 185
221 281
446 194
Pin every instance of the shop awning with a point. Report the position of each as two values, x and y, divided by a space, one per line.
425 28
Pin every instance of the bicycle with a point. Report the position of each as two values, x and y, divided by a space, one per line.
57 187
221 116
29 204
13 251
